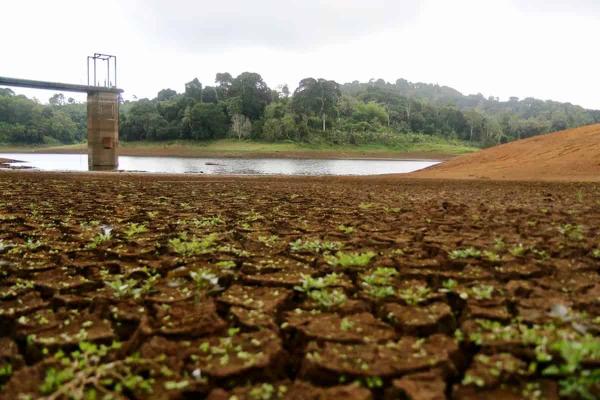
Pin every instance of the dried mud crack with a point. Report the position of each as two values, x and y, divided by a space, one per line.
164 287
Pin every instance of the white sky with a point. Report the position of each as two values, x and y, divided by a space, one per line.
539 48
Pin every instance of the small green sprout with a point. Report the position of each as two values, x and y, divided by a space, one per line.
134 229
347 260
309 283
473 380
499 244
571 232
193 246
176 385
204 279
482 292
491 256
327 298
104 236
227 264
346 324
449 285
269 241
378 283
518 250
314 246
414 295
207 222
345 229
266 391
469 252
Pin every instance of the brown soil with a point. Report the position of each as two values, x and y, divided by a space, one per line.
571 155
253 288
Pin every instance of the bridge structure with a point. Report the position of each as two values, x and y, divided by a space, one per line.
102 110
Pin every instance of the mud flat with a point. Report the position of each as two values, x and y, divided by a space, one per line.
571 155
172 287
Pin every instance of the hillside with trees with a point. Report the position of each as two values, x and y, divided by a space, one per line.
317 111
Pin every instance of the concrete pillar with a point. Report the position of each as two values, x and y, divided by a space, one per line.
103 130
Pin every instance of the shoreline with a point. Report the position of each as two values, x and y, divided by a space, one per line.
298 155
249 151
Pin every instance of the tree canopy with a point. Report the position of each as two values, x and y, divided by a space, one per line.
318 110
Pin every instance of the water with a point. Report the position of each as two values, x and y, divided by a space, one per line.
230 166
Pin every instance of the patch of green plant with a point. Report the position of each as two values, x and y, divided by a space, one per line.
104 236
346 324
266 391
469 252
29 245
596 253
499 244
366 206
227 347
327 298
449 285
482 292
6 370
128 287
378 282
19 286
473 380
540 254
371 382
227 264
176 385
518 250
269 241
347 260
309 283
345 229
414 295
318 290
380 276
491 256
314 246
207 222
571 232
253 216
193 246
92 372
205 280
577 381
134 229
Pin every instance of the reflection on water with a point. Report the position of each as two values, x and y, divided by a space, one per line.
231 166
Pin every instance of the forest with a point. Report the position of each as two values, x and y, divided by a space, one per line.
317 111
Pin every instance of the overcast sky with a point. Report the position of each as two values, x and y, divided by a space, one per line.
547 49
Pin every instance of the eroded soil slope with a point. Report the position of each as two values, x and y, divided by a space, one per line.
142 287
571 155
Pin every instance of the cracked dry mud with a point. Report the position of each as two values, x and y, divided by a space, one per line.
164 287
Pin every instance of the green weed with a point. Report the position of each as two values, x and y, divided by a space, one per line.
414 295
314 246
134 229
193 246
347 260
469 252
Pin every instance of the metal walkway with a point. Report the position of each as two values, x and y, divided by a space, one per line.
63 87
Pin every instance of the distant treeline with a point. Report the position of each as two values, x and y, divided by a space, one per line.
318 110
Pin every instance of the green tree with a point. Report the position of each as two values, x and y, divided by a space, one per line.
193 89
317 96
208 121
166 94
253 94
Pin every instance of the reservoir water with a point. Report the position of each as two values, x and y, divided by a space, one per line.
229 166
